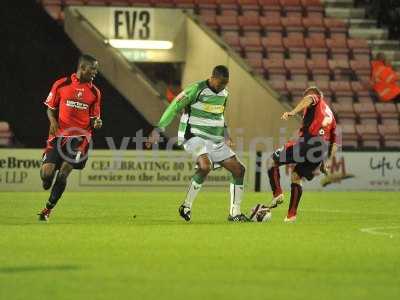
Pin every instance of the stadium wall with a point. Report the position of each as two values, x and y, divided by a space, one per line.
132 170
108 170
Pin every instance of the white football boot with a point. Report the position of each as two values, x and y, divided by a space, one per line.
278 200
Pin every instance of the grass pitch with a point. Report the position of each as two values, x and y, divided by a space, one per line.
134 246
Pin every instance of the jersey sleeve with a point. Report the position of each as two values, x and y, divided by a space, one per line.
53 99
95 108
184 99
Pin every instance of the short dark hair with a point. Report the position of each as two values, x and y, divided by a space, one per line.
86 59
220 71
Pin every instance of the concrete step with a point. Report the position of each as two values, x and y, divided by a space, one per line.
345 13
390 54
384 44
338 3
361 23
369 33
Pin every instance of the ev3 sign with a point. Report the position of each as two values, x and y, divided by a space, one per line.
132 23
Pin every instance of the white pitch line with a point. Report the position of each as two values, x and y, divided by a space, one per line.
377 230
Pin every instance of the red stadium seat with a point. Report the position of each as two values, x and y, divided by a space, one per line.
313 7
275 69
250 25
210 21
341 69
295 46
292 8
273 47
344 110
319 69
365 110
361 68
297 69
387 111
206 5
233 40
359 89
390 135
227 4
359 48
185 3
369 135
270 6
163 3
227 23
338 48
249 6
293 24
271 24
279 86
251 44
317 48
256 64
336 28
342 90
296 89
314 24
349 135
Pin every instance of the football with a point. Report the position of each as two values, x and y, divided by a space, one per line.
260 213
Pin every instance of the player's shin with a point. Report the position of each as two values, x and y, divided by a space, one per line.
236 190
295 196
275 180
57 190
194 188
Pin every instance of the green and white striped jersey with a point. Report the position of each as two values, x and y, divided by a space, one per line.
203 112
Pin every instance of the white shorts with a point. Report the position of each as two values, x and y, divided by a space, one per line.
217 152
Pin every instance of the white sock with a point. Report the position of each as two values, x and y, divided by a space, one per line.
236 199
194 189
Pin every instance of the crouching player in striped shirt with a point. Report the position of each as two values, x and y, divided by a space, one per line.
203 134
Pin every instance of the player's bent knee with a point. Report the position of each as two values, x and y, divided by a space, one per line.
242 171
205 168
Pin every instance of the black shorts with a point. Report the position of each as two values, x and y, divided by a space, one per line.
73 150
307 158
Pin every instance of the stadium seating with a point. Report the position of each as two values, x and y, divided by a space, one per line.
291 43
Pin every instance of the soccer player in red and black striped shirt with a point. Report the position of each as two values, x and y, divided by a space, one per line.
314 148
73 109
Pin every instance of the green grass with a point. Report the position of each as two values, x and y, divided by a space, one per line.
94 248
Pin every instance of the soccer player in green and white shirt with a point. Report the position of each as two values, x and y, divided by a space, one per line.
203 133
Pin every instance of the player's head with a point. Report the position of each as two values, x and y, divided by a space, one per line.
381 56
219 78
313 90
87 68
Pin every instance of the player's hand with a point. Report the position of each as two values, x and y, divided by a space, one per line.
286 115
98 123
325 167
154 138
229 142
53 128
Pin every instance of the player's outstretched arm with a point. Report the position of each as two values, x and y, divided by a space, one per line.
52 115
304 103
179 103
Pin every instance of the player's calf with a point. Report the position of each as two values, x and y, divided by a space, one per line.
47 173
